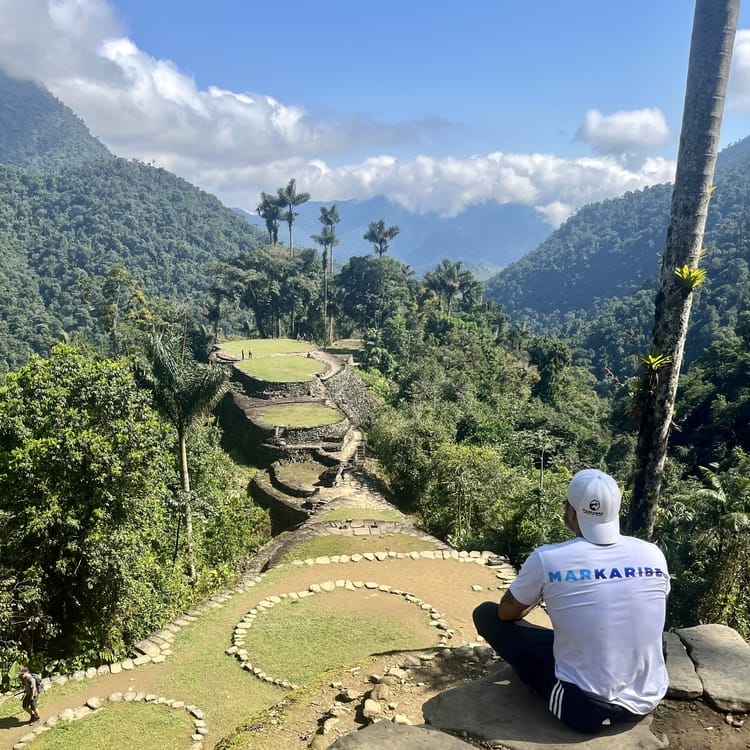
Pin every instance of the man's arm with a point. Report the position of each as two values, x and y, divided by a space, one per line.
511 609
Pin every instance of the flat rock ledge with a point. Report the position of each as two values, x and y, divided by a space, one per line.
722 662
500 709
385 735
94 704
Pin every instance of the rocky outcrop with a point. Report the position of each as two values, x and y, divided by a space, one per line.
499 708
722 662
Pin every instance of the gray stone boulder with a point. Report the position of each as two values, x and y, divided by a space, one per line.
500 709
684 683
722 661
384 735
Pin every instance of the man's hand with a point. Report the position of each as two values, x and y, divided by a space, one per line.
511 609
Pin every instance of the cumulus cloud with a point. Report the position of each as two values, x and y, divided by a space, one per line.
739 77
553 186
625 131
236 144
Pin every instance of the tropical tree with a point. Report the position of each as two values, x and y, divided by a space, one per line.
84 474
714 25
270 211
213 308
119 304
184 391
329 217
450 281
371 289
704 532
287 199
380 236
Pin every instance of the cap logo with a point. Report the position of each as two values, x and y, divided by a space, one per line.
594 504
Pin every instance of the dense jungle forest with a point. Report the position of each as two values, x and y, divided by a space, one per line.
117 280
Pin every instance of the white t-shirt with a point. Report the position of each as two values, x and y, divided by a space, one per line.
607 605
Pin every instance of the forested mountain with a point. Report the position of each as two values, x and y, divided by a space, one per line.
593 280
39 132
61 233
484 237
70 212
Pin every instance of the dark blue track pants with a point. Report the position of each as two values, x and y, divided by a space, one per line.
528 649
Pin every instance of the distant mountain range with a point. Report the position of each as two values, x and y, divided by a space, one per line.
484 237
70 210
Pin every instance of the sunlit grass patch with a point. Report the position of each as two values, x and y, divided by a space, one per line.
346 513
303 472
327 545
297 415
122 725
282 369
265 347
298 639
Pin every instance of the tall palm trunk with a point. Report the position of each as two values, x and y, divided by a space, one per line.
188 507
326 251
714 25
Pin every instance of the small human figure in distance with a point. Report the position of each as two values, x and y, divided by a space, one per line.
30 694
605 593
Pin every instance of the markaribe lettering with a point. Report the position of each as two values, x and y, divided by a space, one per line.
603 574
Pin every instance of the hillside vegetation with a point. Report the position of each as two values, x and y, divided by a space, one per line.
593 280
39 132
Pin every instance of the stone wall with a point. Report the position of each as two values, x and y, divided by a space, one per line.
285 513
326 433
266 389
351 395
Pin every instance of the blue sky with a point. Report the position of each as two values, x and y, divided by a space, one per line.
436 105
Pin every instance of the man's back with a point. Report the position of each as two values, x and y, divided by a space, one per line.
607 604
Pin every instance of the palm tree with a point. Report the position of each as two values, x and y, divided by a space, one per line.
706 529
212 309
329 217
269 210
287 198
380 236
449 280
714 25
183 391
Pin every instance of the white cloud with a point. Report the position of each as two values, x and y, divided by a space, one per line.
738 96
236 144
625 131
552 185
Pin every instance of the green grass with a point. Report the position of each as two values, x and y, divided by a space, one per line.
122 725
199 672
345 347
297 415
209 678
344 514
327 545
265 347
282 369
305 472
274 642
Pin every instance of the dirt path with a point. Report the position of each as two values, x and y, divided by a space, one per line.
445 584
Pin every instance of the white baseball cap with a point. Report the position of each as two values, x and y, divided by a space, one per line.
596 499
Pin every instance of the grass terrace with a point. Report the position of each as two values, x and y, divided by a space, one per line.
297 415
266 347
301 472
282 369
369 514
327 545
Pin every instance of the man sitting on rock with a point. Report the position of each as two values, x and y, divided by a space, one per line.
606 594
